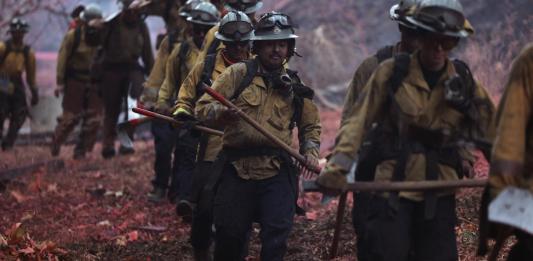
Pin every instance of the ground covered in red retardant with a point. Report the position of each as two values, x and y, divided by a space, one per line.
95 209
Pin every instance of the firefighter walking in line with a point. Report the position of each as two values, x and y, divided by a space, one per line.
427 106
81 101
125 39
167 140
512 154
408 43
235 31
258 181
16 58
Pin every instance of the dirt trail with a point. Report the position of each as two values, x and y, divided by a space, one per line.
97 210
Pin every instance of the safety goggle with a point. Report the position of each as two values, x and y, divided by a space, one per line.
232 28
271 20
441 21
446 42
202 16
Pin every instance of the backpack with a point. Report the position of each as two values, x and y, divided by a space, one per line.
182 55
209 67
370 154
301 91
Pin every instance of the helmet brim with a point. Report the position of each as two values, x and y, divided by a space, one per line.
394 16
461 33
274 37
392 12
191 20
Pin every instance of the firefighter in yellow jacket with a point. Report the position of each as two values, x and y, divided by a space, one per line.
16 58
258 181
125 39
428 106
408 44
236 32
512 154
81 101
202 17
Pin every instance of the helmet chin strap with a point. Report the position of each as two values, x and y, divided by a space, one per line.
227 59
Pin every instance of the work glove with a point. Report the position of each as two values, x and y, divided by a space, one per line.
181 114
162 108
227 116
305 170
188 123
148 98
34 96
60 88
332 180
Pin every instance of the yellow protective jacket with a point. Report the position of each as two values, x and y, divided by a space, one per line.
512 152
359 80
271 110
74 61
187 99
417 105
177 70
125 44
14 64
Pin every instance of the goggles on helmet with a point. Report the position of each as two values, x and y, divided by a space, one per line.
202 16
441 21
271 20
232 28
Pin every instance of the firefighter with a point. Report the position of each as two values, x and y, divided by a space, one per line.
125 39
512 154
428 107
408 43
258 181
81 101
182 59
235 31
16 58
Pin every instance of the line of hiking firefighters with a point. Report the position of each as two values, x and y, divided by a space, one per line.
411 114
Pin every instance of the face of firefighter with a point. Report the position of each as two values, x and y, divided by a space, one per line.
272 54
198 33
237 51
434 50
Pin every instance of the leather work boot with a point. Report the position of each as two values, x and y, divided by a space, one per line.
184 209
157 195
108 153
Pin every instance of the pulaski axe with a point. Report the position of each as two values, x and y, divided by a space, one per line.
125 131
